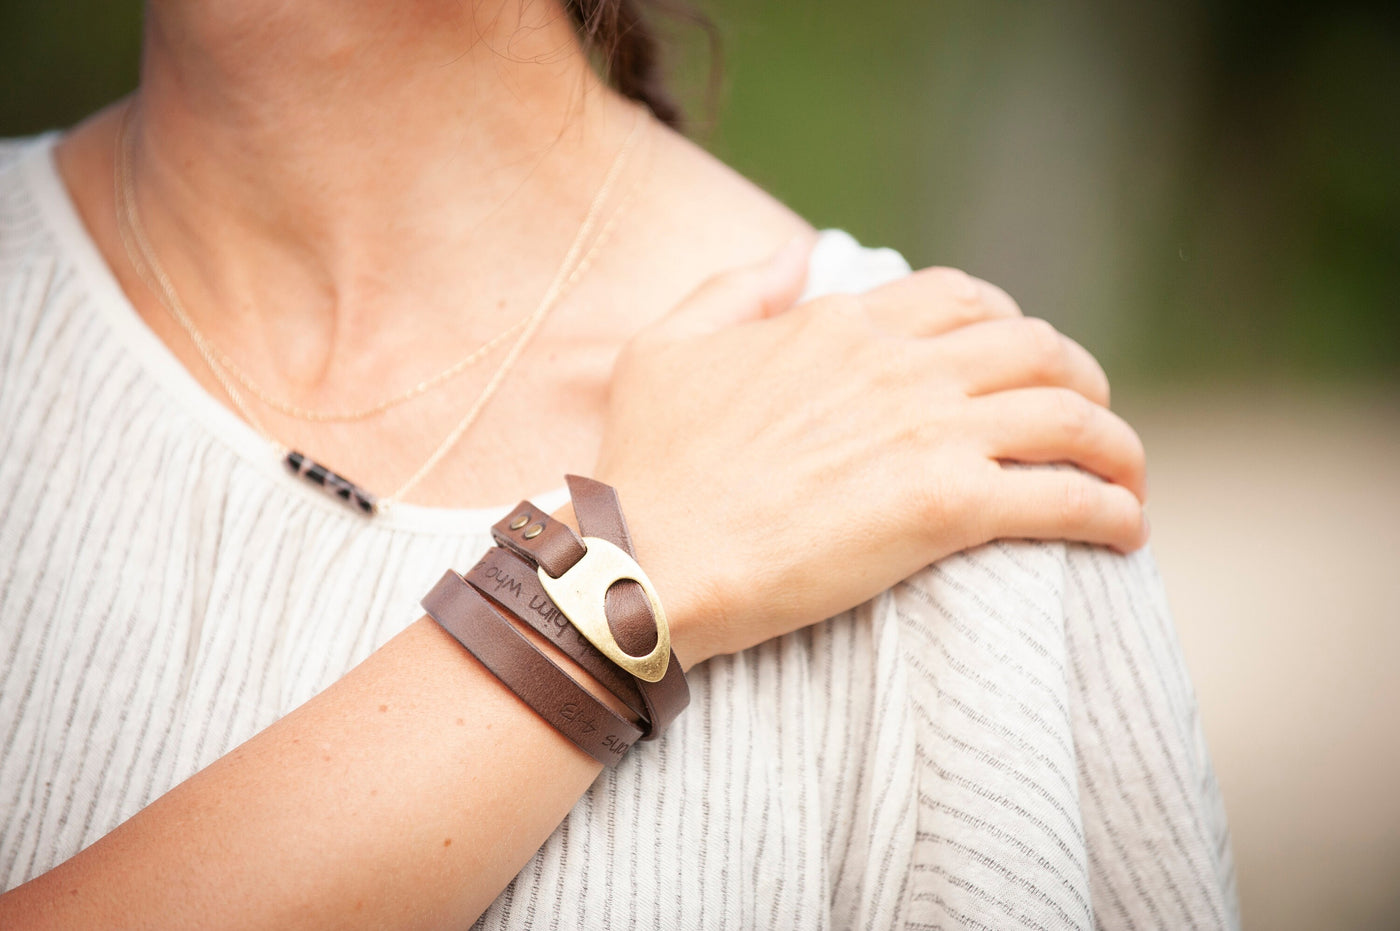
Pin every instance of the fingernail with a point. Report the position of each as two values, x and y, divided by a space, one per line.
793 251
797 245
786 262
968 288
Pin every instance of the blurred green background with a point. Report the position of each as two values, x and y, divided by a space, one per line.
1207 195
1197 189
1194 189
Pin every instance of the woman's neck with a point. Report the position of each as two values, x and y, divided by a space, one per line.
310 172
351 196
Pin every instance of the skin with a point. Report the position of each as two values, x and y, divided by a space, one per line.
346 196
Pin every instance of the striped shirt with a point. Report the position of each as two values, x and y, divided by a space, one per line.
1006 739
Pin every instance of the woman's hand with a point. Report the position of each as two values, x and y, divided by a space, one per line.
779 466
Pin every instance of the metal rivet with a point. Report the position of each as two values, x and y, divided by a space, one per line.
520 521
533 532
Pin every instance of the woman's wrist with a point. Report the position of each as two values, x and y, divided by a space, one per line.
683 593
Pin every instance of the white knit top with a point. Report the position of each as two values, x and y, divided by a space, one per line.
1007 739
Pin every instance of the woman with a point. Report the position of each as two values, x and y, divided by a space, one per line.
307 208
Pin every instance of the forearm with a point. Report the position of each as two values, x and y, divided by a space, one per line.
408 794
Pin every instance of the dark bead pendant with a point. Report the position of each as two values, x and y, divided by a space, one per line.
335 485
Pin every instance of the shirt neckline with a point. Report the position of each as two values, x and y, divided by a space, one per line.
60 214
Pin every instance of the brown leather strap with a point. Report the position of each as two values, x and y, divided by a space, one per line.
511 582
539 538
599 513
466 614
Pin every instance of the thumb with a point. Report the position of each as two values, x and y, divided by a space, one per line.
742 294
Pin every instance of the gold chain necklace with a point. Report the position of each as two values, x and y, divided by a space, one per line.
144 260
132 220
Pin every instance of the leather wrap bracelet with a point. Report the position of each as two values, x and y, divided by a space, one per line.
595 575
510 583
554 695
555 549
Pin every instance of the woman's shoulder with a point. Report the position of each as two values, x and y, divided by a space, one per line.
12 148
1050 674
28 251
707 216
28 190
19 208
1042 582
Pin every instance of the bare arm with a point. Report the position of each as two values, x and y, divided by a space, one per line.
405 795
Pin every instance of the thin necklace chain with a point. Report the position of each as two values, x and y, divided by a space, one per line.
562 282
132 218
143 258
348 415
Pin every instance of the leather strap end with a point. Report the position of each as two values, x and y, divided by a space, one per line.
600 501
532 534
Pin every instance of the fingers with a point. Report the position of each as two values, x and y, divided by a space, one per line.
934 301
742 294
1058 425
926 303
1065 504
999 355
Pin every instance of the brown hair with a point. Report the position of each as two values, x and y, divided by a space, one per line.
619 33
